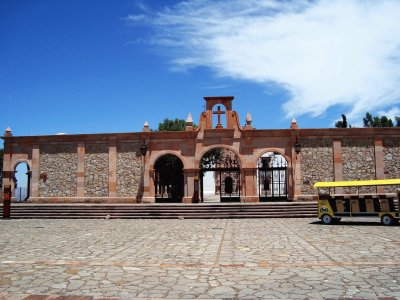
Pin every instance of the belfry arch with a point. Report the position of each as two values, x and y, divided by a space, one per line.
214 106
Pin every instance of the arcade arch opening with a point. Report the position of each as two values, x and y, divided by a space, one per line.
220 176
272 177
21 180
168 179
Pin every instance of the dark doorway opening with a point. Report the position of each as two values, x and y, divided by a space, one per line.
169 179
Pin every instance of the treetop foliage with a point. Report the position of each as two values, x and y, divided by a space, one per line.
343 123
371 121
383 121
173 125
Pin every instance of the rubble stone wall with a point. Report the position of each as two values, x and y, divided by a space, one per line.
316 163
391 159
359 162
96 170
58 164
129 165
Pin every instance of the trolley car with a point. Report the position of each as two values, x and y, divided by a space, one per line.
331 207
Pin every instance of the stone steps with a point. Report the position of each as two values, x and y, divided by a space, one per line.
164 211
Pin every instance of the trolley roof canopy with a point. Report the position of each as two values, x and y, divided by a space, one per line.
378 182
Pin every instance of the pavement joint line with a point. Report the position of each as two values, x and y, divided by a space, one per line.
344 265
261 265
221 243
309 243
385 238
142 238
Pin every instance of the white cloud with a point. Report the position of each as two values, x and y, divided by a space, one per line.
392 113
135 18
324 53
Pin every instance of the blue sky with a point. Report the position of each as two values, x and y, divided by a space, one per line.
86 66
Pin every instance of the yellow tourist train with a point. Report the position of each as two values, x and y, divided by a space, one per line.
331 207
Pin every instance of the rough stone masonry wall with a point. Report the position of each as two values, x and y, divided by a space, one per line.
96 170
129 166
59 163
359 162
391 159
316 163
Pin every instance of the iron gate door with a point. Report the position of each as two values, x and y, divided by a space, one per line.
272 178
226 167
227 183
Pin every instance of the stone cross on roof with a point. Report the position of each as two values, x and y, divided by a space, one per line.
219 112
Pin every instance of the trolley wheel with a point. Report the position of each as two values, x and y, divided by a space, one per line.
387 220
327 219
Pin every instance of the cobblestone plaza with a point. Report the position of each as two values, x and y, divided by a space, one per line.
221 258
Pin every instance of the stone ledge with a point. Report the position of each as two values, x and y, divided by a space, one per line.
82 200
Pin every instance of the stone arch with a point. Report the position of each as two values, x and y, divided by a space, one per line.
200 155
168 178
275 150
21 182
220 174
154 158
225 101
273 175
18 161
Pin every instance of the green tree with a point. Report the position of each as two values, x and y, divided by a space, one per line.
173 125
397 121
378 122
342 123
368 120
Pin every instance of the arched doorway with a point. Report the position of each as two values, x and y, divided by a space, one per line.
22 180
272 177
168 179
220 176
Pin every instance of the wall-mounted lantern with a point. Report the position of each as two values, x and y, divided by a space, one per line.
297 147
143 148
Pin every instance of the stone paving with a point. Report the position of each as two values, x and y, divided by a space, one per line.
183 259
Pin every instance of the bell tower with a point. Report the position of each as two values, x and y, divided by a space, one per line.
221 102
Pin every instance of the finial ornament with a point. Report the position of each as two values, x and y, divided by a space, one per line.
146 127
189 120
248 119
294 124
8 132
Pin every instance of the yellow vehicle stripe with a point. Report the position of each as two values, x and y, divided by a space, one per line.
356 183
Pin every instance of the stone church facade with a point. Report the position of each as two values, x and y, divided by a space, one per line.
122 167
